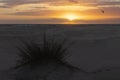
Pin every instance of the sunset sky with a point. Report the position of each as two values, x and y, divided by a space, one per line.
59 11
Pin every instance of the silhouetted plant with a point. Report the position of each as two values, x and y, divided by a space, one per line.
49 50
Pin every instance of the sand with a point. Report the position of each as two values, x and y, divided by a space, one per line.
93 48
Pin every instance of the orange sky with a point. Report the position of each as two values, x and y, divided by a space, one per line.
59 12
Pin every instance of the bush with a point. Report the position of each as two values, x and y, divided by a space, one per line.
49 50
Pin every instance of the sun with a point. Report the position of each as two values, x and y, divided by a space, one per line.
71 17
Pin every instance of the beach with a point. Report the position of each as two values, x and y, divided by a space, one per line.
94 46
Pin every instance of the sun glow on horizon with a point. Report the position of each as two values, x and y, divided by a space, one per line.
71 16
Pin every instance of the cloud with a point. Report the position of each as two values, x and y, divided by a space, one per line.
57 2
34 21
3 5
11 3
61 21
33 13
108 4
98 3
73 1
36 7
102 21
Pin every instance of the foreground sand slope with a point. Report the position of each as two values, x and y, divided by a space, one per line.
93 48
